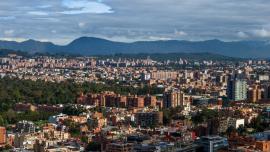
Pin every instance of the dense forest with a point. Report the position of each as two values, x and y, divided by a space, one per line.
14 90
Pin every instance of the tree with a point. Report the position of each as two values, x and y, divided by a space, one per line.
93 146
73 110
84 139
241 130
13 90
2 122
204 115
230 130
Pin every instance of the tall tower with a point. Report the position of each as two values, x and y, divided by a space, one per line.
254 93
237 87
173 98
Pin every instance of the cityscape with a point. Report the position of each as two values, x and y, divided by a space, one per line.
134 104
118 76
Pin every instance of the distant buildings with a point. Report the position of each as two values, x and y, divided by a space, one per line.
164 75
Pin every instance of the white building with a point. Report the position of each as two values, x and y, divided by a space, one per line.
236 123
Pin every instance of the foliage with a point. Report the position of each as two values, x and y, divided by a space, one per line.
2 122
241 130
258 124
72 110
204 115
13 90
73 127
93 146
12 117
84 139
169 114
230 130
6 148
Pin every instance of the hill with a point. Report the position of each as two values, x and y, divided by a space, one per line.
97 46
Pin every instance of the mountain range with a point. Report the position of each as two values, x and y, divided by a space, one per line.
98 46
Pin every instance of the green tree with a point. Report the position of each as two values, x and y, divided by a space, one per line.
93 146
230 130
2 122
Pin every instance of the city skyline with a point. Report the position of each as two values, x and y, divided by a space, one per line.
134 76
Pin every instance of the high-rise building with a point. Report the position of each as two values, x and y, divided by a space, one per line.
237 88
3 137
150 101
135 101
266 91
149 119
254 94
173 98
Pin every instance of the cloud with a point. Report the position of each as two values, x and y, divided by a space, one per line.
263 33
180 33
159 38
44 6
81 24
7 17
85 6
13 39
48 19
9 32
242 35
136 20
38 13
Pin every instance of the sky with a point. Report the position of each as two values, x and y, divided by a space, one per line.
61 21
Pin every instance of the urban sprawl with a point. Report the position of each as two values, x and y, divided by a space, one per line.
134 104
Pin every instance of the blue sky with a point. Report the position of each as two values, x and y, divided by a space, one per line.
61 21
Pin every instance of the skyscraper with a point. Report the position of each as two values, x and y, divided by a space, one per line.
237 87
254 93
173 98
266 91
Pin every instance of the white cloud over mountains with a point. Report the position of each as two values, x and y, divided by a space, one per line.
263 33
242 35
135 19
9 32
